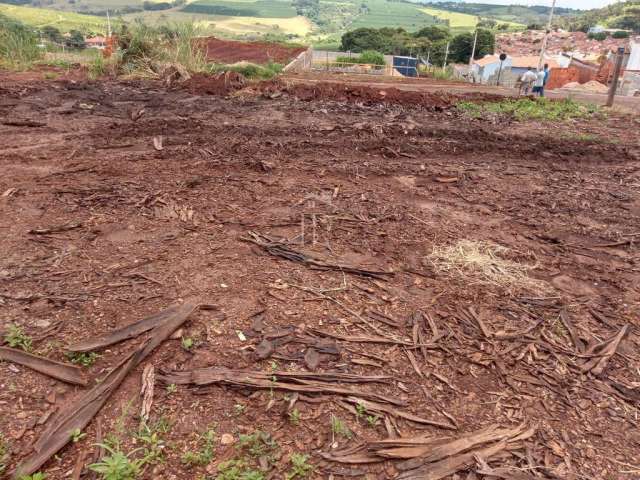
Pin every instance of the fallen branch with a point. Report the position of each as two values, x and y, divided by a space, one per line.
301 382
61 371
79 413
57 229
279 249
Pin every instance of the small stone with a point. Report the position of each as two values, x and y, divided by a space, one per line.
42 323
227 439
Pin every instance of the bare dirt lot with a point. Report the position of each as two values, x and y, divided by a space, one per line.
230 51
394 290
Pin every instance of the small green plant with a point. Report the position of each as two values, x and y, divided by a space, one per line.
86 359
77 435
172 388
4 454
50 76
372 420
149 436
294 416
206 450
237 469
361 411
34 476
239 409
187 343
338 427
16 338
300 468
97 67
118 465
257 444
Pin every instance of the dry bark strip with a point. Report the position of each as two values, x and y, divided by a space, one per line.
301 382
79 413
379 408
278 249
61 371
603 352
57 229
124 333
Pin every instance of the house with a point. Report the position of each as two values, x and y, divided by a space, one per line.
631 77
98 41
487 67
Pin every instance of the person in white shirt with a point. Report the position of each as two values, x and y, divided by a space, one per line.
538 84
527 80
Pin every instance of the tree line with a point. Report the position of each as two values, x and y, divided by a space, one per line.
428 42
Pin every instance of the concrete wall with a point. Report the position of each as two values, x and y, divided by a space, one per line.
301 63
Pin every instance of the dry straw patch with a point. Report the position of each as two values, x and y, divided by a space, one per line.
485 262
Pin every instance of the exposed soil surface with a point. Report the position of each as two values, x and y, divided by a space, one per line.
230 51
118 200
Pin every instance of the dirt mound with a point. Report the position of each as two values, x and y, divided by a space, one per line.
589 87
220 84
230 51
368 95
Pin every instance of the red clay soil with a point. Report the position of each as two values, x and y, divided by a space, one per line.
221 84
99 229
229 51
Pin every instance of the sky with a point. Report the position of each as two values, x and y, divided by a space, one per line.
582 4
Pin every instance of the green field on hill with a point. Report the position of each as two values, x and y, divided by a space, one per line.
64 21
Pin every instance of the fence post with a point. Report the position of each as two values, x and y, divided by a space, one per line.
616 73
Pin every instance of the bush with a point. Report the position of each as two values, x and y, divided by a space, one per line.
601 36
366 57
530 109
250 70
18 44
620 34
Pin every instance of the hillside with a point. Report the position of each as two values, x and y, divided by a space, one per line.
64 21
623 15
320 22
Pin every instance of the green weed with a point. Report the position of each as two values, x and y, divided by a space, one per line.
530 109
18 44
34 476
338 427
361 411
149 436
206 450
300 468
372 420
86 359
249 70
258 444
97 68
16 338
239 409
187 343
238 469
172 388
294 416
77 435
118 465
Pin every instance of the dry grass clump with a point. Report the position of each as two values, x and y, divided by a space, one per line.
484 262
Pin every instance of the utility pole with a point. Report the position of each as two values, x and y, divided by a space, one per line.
473 50
546 36
108 25
446 57
616 73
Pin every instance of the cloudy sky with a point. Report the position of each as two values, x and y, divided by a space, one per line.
583 4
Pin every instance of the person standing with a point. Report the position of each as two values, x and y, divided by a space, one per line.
527 80
538 84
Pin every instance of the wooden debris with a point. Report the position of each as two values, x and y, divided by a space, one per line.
367 339
379 408
57 229
62 371
602 353
279 249
566 320
79 413
23 123
148 382
301 382
124 333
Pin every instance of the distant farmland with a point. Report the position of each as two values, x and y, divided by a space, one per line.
260 8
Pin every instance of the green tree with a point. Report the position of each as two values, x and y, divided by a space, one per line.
487 23
75 39
462 45
52 33
433 33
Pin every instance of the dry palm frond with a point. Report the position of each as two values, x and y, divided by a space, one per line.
484 262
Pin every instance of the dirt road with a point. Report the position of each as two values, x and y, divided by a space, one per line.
118 200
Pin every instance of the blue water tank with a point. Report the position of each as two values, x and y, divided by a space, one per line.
407 66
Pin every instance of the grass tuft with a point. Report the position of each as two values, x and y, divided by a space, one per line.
18 44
